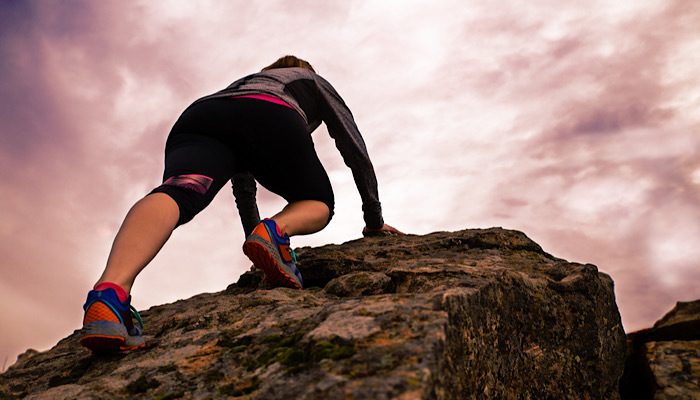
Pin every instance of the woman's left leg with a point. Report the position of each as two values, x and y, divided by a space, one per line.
196 167
143 233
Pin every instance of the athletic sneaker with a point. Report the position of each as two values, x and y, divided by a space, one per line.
269 250
108 324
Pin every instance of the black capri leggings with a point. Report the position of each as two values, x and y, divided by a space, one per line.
217 138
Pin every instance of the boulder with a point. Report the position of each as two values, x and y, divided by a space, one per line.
473 314
663 362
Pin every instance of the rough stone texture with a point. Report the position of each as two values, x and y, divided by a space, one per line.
664 361
474 314
682 322
675 366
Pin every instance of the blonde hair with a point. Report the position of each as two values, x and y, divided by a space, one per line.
289 62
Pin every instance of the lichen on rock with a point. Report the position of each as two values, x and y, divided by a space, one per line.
482 313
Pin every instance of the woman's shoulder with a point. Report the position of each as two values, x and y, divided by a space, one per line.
292 73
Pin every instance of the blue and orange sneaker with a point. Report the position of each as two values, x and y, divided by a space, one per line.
108 324
269 250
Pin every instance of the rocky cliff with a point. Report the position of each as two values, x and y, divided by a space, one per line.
663 362
449 315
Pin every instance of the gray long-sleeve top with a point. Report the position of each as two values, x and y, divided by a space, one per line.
317 101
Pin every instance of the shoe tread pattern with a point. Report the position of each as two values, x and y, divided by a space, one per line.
262 253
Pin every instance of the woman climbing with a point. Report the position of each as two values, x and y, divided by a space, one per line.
257 129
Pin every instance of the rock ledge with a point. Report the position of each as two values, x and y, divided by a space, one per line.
481 313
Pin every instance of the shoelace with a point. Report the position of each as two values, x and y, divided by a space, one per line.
294 255
136 315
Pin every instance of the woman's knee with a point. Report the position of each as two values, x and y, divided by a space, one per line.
190 192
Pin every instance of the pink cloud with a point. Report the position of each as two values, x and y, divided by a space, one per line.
572 123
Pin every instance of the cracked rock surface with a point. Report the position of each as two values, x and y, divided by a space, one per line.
473 314
663 362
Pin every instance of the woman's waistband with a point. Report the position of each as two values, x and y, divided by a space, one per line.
265 97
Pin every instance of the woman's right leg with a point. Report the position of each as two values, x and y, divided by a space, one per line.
285 162
302 217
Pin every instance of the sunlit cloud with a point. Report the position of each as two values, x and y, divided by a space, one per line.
573 122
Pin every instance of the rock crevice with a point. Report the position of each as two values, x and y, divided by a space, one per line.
663 362
481 313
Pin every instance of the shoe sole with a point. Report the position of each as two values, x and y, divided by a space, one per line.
102 344
266 257
107 336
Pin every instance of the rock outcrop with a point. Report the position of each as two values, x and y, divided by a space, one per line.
664 361
450 315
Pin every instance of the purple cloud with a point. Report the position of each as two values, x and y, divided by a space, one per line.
576 124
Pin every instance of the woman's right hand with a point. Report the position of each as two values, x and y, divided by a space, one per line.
383 231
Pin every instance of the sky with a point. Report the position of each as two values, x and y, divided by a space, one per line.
577 123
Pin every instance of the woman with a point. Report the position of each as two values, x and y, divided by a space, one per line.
256 129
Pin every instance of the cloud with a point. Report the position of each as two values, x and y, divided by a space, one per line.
575 123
